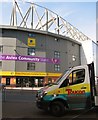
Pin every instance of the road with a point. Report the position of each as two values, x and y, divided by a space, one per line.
21 104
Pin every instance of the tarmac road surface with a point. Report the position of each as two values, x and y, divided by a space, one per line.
21 105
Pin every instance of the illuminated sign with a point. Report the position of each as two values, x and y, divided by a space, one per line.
29 59
75 92
13 73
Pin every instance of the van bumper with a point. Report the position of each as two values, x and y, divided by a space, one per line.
43 104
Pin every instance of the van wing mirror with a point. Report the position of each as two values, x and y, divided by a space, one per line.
67 81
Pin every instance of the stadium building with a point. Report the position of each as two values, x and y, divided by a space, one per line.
33 58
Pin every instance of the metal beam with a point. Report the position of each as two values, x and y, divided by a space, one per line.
46 21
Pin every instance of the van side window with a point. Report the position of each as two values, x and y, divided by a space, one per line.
77 77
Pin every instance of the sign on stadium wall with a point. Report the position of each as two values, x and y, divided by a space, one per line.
29 59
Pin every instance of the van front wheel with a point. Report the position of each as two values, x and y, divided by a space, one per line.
57 108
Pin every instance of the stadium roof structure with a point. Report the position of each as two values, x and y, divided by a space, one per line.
33 16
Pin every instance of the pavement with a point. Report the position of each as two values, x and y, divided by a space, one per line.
24 88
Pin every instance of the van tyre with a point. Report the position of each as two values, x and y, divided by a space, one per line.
57 108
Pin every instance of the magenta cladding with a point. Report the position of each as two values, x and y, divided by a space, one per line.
29 59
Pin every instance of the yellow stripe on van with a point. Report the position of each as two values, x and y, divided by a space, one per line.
75 88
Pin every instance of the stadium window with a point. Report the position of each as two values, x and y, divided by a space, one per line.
1 49
57 67
30 66
0 64
56 54
31 51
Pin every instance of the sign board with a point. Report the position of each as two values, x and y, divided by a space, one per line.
32 42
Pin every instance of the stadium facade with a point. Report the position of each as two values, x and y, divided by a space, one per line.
31 58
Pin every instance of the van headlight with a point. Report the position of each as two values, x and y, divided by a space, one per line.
41 94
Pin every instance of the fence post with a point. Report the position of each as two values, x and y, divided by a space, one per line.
3 92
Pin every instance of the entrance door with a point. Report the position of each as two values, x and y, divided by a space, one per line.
25 81
18 82
7 81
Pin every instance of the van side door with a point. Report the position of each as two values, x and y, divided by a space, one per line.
78 89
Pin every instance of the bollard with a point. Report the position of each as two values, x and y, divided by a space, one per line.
3 92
